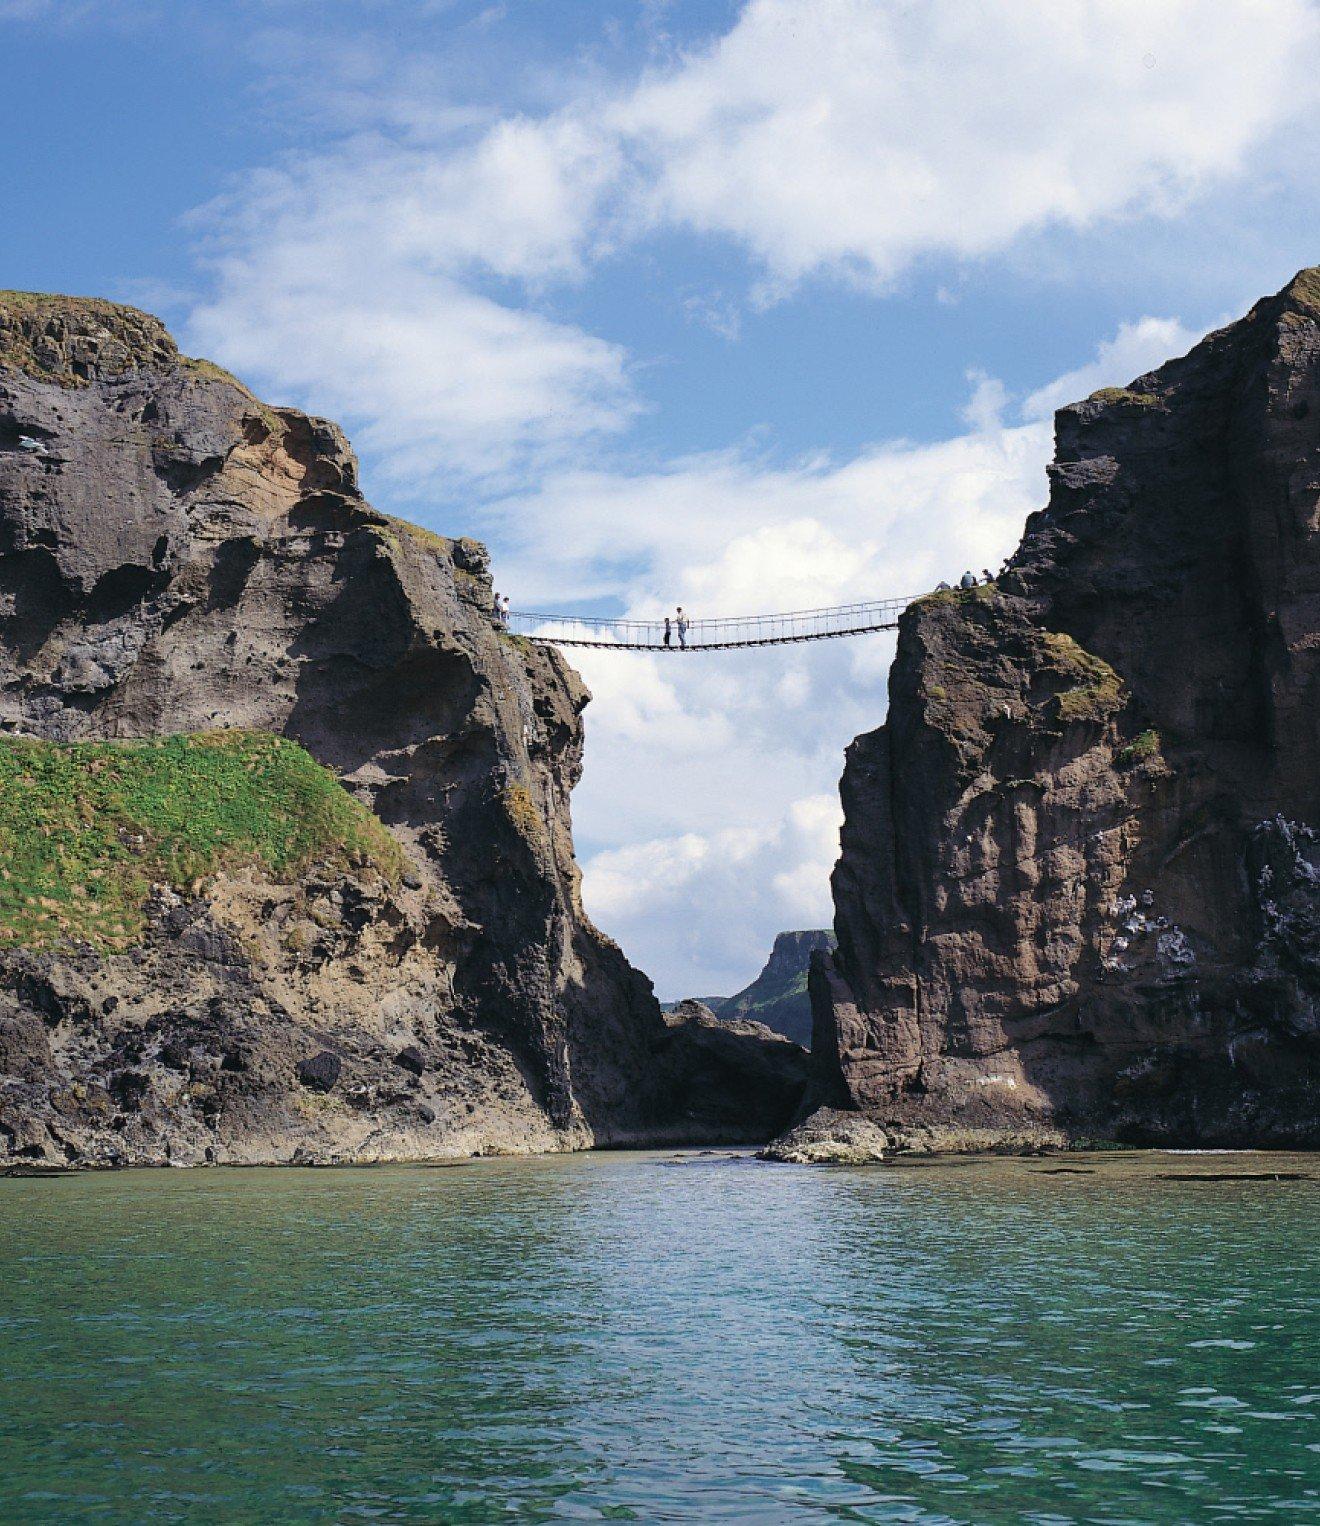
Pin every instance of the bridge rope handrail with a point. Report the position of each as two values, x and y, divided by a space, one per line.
606 631
656 621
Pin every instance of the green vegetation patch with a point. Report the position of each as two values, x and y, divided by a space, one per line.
1097 690
87 828
795 986
1140 750
983 593
1126 395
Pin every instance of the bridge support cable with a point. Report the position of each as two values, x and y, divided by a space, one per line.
725 633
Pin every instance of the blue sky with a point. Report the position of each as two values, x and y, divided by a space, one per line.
744 305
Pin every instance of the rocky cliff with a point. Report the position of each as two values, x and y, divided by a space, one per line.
1079 887
778 996
180 561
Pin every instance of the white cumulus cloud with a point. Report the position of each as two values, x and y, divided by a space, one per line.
410 278
707 815
861 134
403 275
709 894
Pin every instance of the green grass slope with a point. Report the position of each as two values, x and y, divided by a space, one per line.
86 829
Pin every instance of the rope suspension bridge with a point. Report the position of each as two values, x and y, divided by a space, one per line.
717 635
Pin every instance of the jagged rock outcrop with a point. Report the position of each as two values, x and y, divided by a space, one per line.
176 557
1078 892
732 1068
830 1137
778 996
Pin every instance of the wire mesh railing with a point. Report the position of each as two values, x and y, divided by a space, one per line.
722 633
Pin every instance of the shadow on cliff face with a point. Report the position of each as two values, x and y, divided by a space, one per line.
369 681
707 1081
353 710
34 599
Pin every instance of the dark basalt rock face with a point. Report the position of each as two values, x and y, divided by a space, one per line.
1079 888
720 1068
176 556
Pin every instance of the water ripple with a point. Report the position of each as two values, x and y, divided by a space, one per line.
611 1338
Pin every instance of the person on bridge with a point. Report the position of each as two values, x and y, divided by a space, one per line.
968 579
669 631
682 627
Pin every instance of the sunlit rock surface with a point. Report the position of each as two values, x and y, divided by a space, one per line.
177 557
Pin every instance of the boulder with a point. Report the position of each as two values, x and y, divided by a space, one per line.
830 1138
320 1072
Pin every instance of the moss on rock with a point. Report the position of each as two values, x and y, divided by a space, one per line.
1140 750
70 340
87 829
1096 691
1125 395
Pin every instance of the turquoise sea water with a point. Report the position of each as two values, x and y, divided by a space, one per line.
630 1337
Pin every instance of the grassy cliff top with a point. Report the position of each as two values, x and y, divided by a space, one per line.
87 829
89 309
1304 288
68 340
